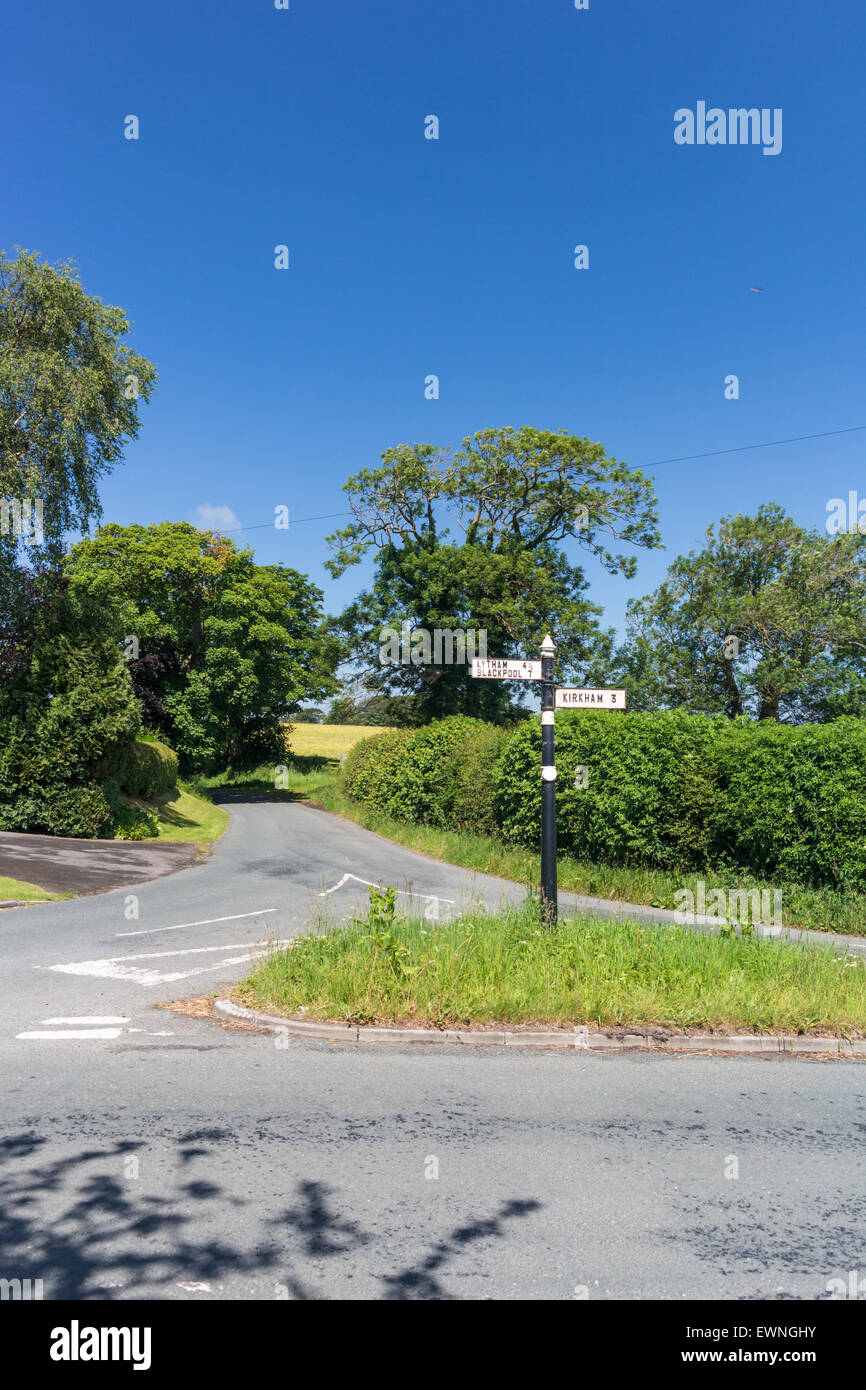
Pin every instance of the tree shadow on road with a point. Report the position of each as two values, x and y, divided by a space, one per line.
422 1280
85 1226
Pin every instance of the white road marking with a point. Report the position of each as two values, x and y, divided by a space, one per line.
117 968
74 1033
91 1022
343 880
403 891
206 922
90 1032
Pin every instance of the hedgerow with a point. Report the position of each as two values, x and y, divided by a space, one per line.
666 790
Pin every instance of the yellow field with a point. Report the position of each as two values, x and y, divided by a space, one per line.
328 740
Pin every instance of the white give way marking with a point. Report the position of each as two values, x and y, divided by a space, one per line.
87 1028
122 967
426 897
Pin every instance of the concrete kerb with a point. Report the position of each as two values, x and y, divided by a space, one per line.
577 1039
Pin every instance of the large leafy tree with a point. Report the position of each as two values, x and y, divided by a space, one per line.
221 650
768 620
69 397
474 541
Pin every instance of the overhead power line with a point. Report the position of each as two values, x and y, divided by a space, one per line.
683 458
741 448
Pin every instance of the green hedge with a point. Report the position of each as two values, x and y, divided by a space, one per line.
439 774
146 769
791 801
667 790
69 718
646 796
369 771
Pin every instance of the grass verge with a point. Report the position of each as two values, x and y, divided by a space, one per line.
186 814
12 889
508 969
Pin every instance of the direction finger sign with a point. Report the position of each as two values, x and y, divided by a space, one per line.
571 697
506 669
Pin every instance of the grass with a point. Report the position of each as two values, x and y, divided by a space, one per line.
185 814
507 969
309 777
13 889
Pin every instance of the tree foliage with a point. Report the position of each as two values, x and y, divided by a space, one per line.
769 619
69 394
515 497
68 717
226 648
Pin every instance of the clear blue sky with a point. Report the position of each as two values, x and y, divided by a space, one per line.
454 257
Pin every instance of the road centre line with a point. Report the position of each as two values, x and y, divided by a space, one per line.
206 922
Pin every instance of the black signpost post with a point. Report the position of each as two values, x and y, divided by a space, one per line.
552 698
548 783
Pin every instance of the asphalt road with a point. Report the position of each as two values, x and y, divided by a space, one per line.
88 866
154 1155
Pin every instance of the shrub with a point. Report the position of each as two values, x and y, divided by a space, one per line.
370 768
791 801
471 777
67 715
132 823
667 790
441 774
646 797
74 811
146 769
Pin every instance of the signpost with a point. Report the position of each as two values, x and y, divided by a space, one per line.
548 783
505 670
552 698
571 697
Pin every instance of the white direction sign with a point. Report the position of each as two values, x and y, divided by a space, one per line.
574 698
506 669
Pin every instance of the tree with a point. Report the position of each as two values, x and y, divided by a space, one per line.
516 496
382 711
67 712
221 650
69 395
769 619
